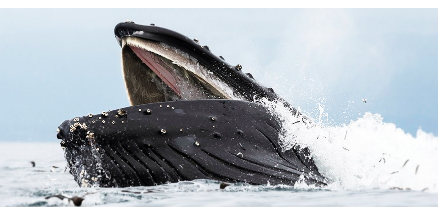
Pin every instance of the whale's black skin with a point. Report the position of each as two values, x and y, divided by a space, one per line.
186 139
227 140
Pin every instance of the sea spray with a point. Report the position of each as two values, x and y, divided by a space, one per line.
364 154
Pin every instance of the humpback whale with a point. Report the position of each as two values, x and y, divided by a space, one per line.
192 116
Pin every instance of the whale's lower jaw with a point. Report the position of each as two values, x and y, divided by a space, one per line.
151 144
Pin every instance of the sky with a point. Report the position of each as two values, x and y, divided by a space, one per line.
57 64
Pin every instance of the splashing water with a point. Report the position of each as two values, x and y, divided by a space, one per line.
362 161
365 154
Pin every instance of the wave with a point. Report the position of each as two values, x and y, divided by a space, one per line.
367 153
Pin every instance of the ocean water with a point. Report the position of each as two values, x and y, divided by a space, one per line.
368 163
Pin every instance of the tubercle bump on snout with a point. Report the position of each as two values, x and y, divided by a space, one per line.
93 128
80 130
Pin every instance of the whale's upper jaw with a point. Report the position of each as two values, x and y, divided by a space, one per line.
162 65
169 37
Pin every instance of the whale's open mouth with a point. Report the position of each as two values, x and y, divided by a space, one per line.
156 72
161 65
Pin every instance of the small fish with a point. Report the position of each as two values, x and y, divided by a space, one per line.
53 168
77 201
137 192
406 162
223 185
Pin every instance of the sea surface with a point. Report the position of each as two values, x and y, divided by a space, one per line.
368 163
353 180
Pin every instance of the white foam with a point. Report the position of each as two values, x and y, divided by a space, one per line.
365 154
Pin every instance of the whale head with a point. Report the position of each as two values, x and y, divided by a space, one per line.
162 65
193 116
